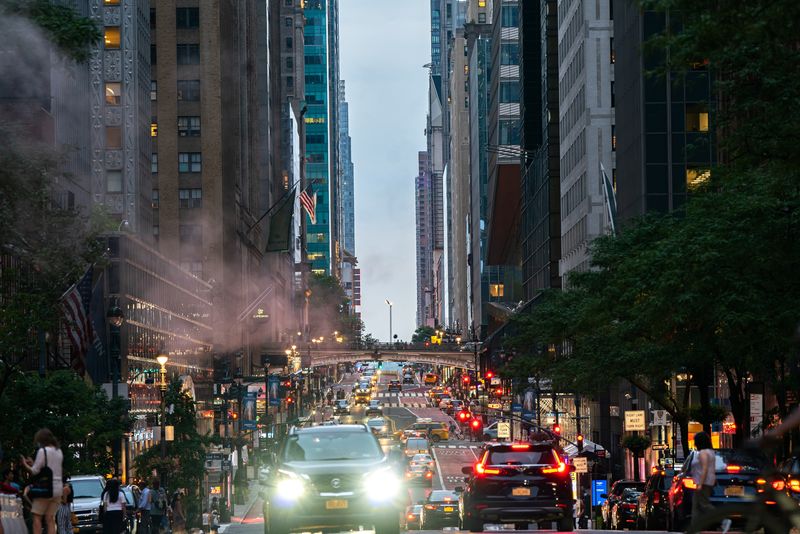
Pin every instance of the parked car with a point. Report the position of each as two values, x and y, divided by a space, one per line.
653 506
411 517
86 491
624 515
737 473
790 469
614 495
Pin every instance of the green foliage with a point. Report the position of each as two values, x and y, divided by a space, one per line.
82 418
69 31
184 463
714 414
328 307
422 334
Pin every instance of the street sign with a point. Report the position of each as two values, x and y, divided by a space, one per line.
503 430
516 407
599 487
494 405
635 421
659 447
613 411
581 464
660 417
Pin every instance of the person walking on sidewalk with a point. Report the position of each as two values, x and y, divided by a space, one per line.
703 471
158 510
47 485
178 516
145 506
113 508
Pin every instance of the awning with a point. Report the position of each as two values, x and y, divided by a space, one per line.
588 446
505 215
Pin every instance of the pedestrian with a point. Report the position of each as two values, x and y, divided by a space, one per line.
7 484
178 516
64 514
703 471
46 484
158 510
113 507
145 506
578 512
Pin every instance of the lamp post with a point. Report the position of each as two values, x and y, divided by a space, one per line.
162 360
389 303
115 319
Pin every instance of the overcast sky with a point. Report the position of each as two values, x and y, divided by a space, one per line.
383 47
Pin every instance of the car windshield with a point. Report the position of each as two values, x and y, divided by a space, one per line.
533 456
443 496
87 489
421 458
326 446
417 443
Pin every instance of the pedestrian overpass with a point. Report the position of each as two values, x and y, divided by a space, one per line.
458 359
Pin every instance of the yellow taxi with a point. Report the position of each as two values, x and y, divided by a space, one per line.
431 379
435 430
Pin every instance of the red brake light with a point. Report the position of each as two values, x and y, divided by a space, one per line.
428 475
656 497
794 485
520 446
733 468
560 468
430 507
779 485
688 483
480 469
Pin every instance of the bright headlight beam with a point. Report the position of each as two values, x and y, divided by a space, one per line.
382 485
290 488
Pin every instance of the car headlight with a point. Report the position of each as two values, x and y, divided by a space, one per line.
290 486
382 485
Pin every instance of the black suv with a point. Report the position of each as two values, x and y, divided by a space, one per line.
332 477
517 483
394 385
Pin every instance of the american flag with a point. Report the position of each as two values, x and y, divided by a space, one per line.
75 307
309 203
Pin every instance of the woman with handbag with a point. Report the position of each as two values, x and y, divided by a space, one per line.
113 508
46 485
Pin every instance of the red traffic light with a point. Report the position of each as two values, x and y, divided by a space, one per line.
289 400
557 430
465 379
499 391
489 374
476 424
463 415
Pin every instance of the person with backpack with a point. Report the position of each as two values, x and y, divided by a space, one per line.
145 507
46 485
158 511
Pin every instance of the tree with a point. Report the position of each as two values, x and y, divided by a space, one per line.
422 334
184 463
328 307
82 418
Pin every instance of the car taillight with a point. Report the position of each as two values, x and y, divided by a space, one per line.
428 475
561 467
778 485
430 507
794 485
733 468
410 516
629 506
656 497
481 469
521 447
688 483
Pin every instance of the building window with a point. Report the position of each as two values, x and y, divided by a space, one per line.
187 17
155 232
510 16
154 199
113 137
509 92
190 162
152 19
190 234
509 54
114 181
696 177
482 18
696 118
611 48
153 129
189 90
613 96
509 132
153 55
111 2
496 290
481 3
194 267
154 162
190 198
289 63
288 22
289 81
189 126
111 37
113 93
153 90
188 54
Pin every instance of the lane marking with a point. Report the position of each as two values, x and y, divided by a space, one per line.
438 471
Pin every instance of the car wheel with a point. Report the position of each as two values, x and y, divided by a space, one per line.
436 438
473 525
388 526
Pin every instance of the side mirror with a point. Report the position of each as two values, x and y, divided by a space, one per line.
467 470
458 489
604 496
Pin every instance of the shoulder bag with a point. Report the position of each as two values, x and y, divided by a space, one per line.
41 486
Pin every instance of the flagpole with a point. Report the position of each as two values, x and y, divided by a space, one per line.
269 210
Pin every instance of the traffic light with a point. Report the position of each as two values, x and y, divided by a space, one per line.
289 399
476 425
579 442
489 374
557 429
465 379
463 416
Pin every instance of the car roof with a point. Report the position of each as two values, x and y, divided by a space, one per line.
85 477
441 494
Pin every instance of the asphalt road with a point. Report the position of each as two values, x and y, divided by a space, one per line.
403 409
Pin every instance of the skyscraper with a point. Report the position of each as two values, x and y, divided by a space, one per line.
348 215
424 245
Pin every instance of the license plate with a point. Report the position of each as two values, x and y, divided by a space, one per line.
734 491
448 508
336 504
519 492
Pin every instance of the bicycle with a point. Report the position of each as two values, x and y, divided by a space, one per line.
773 511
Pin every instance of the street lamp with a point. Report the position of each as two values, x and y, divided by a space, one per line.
115 319
389 303
162 360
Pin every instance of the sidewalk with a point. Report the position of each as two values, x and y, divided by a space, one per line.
241 511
